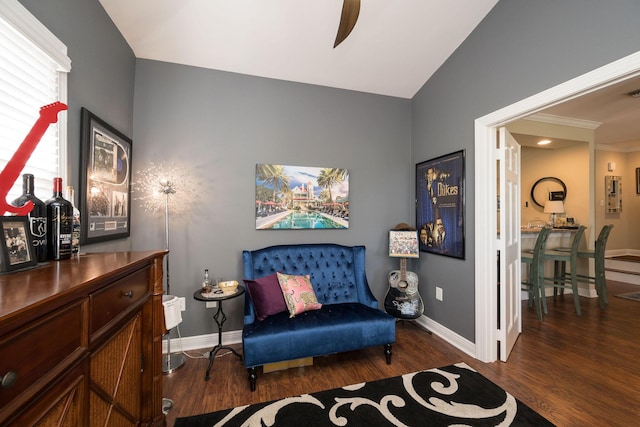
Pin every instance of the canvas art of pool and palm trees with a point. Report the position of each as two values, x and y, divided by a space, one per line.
301 197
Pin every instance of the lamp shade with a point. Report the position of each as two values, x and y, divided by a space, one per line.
554 207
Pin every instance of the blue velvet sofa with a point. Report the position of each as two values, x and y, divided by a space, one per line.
350 317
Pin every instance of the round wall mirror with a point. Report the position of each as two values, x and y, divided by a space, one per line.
540 193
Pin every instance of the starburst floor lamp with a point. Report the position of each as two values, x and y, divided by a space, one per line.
156 186
170 362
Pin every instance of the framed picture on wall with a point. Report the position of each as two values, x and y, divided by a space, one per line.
301 197
105 182
440 205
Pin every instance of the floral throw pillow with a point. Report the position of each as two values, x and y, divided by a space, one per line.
298 294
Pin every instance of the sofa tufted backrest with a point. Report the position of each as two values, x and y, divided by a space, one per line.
337 272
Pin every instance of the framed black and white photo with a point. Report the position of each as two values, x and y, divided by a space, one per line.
16 244
440 205
105 182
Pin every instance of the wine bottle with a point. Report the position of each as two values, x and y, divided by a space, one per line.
59 223
206 282
75 230
37 217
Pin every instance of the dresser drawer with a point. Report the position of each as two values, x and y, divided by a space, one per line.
44 349
116 300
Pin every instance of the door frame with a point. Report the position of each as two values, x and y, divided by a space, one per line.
486 297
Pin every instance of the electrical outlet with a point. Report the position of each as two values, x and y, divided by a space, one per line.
211 304
183 303
439 294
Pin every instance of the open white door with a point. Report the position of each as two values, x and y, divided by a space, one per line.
508 156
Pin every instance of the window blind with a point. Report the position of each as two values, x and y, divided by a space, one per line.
32 75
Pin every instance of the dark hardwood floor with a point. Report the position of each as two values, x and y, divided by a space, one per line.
575 371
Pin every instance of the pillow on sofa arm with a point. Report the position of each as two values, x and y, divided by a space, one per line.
266 296
298 292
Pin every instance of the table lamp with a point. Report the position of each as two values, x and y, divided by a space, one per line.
553 207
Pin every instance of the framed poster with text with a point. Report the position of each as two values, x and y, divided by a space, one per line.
105 181
440 205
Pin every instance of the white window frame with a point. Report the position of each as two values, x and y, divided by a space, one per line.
24 22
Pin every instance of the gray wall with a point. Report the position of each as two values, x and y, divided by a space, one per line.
222 124
101 78
521 48
218 125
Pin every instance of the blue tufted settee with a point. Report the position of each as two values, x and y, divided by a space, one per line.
350 317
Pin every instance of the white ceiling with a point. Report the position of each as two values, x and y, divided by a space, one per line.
610 111
393 50
395 47
612 107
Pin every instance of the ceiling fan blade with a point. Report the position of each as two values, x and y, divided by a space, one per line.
350 12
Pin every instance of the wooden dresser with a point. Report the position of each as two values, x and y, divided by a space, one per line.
81 342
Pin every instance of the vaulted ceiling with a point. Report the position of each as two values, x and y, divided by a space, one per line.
393 49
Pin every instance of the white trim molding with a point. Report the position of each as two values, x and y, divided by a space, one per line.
458 341
200 342
16 14
564 121
206 342
485 183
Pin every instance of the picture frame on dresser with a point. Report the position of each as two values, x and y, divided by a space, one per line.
16 244
105 181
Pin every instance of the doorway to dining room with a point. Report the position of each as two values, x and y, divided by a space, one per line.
487 333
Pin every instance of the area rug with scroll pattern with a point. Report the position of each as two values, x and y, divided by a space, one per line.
454 395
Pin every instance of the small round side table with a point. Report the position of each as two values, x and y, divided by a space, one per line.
219 318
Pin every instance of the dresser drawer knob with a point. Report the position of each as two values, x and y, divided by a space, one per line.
8 379
128 294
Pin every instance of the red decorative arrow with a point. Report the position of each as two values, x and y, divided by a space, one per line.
11 172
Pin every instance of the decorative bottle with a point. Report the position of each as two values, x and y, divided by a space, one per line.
206 281
75 233
37 217
59 223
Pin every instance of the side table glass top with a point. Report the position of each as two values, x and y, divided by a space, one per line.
217 295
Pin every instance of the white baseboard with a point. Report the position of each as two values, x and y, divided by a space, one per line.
616 276
207 341
621 271
199 342
619 252
448 335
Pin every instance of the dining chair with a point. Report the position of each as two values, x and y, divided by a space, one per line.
598 279
535 279
561 278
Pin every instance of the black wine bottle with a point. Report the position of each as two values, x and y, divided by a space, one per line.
37 217
59 223
75 231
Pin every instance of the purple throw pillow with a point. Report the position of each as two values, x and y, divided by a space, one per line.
266 296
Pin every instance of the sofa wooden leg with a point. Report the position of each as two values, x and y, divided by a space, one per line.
253 376
387 353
